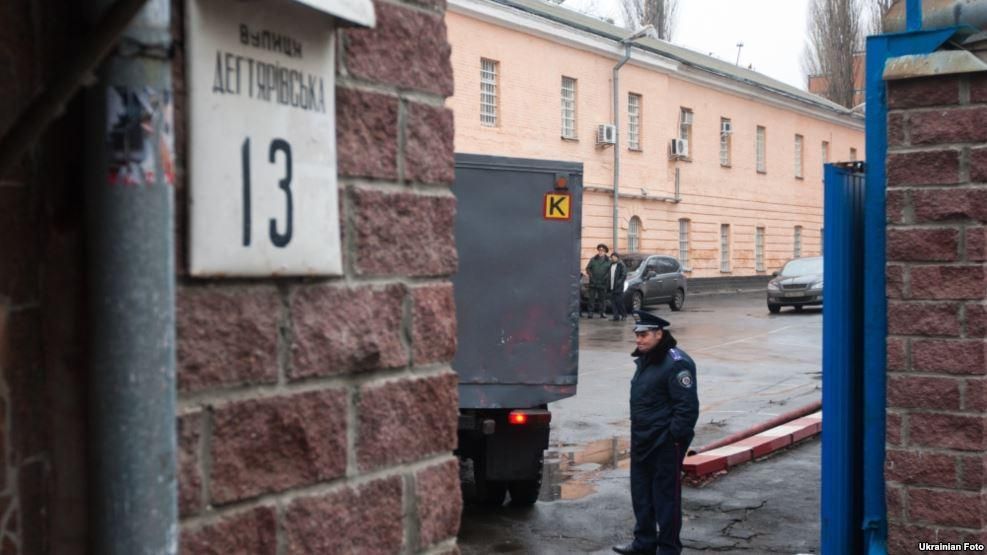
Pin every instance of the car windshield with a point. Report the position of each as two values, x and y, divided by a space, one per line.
632 263
803 266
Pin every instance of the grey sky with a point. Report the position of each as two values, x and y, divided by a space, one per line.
773 31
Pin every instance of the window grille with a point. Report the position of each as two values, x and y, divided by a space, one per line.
568 108
684 243
488 92
798 156
725 247
634 234
759 249
726 130
762 164
634 121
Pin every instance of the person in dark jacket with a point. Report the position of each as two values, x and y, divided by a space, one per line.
664 410
598 270
618 273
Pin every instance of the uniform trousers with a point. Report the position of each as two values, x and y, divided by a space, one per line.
656 493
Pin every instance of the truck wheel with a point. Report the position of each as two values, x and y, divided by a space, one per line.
524 493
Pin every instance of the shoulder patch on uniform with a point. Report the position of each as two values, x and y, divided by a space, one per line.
684 378
675 354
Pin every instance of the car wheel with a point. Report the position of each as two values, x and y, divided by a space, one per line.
678 301
637 301
774 308
798 308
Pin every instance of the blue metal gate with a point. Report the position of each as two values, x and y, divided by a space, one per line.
842 394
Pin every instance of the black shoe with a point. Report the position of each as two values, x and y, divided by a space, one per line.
590 316
615 319
629 549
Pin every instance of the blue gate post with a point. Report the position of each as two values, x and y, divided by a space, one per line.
842 377
880 48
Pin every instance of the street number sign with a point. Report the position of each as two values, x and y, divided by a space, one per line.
558 206
262 141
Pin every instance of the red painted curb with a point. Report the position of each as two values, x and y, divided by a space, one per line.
754 447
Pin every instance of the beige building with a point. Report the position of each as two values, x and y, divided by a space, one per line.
719 166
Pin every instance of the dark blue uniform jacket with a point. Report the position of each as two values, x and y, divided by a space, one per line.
664 401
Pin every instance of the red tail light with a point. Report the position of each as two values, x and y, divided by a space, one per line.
539 418
517 418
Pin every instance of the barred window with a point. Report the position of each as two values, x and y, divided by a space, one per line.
798 156
684 243
762 163
759 249
488 92
725 247
634 234
726 130
797 242
634 121
568 108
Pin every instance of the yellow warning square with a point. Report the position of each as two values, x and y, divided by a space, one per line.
558 206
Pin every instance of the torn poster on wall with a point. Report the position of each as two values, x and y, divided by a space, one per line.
140 135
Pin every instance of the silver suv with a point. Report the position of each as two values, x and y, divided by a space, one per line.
798 284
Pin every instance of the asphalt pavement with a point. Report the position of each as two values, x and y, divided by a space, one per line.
752 366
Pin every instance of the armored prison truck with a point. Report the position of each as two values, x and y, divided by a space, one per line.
518 226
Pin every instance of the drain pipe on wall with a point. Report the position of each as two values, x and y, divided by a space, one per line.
626 41
129 206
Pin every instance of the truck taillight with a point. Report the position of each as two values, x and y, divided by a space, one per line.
530 417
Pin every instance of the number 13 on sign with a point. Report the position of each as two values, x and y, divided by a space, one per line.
278 239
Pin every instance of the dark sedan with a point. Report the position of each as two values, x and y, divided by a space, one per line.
798 284
651 279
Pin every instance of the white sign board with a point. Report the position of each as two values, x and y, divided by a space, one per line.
262 142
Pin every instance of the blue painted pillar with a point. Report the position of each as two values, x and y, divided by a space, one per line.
913 15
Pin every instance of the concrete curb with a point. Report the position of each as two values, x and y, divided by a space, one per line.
754 447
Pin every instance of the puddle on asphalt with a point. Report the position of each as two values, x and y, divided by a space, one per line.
570 470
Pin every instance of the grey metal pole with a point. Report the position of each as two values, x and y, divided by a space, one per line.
616 143
129 225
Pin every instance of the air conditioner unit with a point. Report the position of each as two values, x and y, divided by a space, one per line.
606 134
686 118
680 148
726 127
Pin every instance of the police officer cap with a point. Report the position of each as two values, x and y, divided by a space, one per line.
647 322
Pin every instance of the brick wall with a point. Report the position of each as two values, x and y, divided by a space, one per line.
318 416
936 287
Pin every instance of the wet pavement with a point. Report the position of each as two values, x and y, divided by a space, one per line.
752 366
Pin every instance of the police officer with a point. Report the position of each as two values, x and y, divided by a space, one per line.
664 410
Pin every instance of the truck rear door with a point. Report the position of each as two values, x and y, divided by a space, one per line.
517 287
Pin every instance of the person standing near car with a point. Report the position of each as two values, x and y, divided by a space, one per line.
664 410
618 273
598 270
